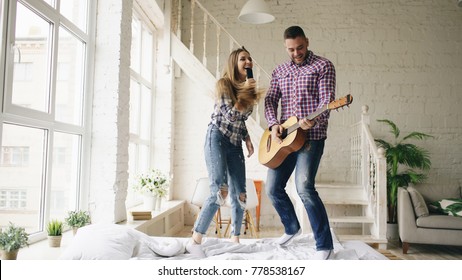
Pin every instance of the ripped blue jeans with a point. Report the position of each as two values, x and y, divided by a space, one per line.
226 170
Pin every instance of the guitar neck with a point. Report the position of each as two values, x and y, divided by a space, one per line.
310 117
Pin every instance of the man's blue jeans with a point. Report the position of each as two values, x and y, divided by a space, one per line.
305 162
226 169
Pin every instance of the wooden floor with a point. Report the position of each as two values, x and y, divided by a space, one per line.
426 252
394 250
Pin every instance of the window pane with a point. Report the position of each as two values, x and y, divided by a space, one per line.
134 107
21 171
146 66
145 121
132 197
65 174
50 2
138 162
69 83
143 160
31 89
135 48
23 71
75 11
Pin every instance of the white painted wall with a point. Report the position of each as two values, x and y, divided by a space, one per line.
401 58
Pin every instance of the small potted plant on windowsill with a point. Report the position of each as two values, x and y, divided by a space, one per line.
12 239
55 233
77 219
153 185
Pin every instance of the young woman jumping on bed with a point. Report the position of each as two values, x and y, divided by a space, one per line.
235 97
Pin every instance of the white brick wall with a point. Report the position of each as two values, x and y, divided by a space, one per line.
110 132
401 58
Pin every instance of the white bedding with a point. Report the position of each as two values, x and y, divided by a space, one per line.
116 242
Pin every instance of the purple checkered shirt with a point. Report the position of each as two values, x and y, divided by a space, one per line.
302 89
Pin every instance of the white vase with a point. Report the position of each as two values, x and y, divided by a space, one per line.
149 202
158 203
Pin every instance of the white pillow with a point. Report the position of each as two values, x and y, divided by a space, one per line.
102 242
165 247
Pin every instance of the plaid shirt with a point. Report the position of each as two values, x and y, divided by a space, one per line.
230 121
302 89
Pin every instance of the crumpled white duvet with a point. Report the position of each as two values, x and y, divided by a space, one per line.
117 242
301 248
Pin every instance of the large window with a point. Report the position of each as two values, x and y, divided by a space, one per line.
45 50
141 97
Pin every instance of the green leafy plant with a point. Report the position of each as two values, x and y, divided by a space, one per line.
402 160
13 238
77 218
153 182
55 228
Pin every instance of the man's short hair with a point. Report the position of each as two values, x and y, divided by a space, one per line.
294 32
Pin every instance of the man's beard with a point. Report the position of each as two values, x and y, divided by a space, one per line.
302 58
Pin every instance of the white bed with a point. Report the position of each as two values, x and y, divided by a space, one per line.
117 242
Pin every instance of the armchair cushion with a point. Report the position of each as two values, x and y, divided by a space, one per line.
440 222
420 207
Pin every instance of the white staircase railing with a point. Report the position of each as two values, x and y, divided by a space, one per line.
196 27
370 171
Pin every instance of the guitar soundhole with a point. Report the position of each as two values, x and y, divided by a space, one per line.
268 144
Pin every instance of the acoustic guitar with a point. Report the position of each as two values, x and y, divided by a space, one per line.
272 154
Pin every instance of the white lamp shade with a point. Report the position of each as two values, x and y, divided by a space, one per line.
255 12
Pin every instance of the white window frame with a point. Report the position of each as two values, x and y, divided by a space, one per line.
134 75
14 114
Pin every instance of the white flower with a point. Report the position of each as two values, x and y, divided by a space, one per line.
153 182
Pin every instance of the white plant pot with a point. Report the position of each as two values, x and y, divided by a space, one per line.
149 202
158 203
392 231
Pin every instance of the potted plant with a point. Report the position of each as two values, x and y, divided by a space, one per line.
12 239
402 160
77 219
55 233
153 185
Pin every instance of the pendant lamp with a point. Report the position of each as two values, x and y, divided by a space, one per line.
255 12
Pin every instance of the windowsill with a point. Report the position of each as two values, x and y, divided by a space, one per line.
42 251
167 208
167 221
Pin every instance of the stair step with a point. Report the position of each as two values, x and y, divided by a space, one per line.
365 238
337 185
341 193
352 219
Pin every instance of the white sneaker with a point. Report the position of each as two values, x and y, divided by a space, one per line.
322 255
286 238
195 249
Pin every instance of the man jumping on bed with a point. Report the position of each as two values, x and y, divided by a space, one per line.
302 85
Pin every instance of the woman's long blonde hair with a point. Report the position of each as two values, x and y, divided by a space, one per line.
230 83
